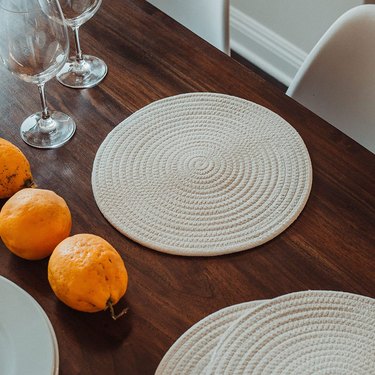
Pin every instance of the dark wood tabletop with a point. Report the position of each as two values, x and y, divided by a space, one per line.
331 246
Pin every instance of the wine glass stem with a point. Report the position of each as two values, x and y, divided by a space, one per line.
78 45
46 123
45 113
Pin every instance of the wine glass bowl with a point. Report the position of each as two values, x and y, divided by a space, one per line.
81 70
34 46
77 13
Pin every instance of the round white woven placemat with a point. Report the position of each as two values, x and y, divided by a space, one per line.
202 174
191 353
304 333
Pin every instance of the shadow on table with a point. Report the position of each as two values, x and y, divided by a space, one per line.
96 330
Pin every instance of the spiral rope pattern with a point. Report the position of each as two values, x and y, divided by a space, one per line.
202 174
302 333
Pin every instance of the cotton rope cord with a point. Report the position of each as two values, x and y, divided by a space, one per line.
191 353
202 174
302 333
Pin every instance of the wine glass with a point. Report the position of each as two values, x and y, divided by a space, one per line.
34 46
81 71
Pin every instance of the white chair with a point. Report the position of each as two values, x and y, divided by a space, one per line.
337 79
207 18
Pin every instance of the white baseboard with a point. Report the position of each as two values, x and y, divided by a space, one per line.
264 48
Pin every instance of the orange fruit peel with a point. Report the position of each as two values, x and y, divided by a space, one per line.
33 222
87 273
15 172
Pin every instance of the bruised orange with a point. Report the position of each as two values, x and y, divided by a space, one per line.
15 173
33 222
87 273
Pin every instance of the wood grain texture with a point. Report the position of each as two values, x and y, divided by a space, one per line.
330 246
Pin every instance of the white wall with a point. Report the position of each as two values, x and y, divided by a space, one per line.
276 35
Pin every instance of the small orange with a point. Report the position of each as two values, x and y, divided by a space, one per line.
15 173
33 222
87 273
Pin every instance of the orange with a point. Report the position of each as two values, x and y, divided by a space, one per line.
87 273
33 222
15 173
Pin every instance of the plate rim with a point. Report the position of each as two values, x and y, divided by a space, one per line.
38 308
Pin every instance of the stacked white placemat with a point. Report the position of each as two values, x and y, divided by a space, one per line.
302 333
202 174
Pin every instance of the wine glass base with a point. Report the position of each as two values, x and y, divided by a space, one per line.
84 74
61 129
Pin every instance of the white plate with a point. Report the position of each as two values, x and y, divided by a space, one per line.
28 343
